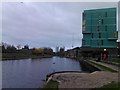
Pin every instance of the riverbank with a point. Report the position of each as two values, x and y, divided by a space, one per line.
104 78
95 79
18 56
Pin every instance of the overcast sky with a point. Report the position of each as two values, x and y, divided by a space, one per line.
45 24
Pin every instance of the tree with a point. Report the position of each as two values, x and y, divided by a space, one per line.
3 49
6 48
26 47
11 49
48 51
18 46
38 51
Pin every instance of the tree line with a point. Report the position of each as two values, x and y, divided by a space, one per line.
7 48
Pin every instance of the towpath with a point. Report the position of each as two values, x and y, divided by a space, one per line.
114 67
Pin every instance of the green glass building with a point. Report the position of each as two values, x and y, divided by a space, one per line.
99 28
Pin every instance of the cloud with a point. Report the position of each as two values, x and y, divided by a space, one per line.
45 24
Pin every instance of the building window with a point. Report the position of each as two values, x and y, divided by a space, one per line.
101 42
99 35
99 21
98 43
105 27
102 21
105 14
97 28
91 15
83 16
115 27
83 42
99 16
91 28
92 35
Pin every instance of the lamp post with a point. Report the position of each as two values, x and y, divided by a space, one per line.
117 48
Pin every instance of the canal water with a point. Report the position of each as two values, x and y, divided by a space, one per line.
31 73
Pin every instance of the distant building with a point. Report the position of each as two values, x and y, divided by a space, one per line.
73 53
57 49
99 28
62 51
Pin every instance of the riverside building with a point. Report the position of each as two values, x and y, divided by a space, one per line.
99 28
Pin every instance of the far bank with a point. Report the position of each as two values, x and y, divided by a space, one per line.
18 56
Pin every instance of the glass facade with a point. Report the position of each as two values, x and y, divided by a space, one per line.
99 28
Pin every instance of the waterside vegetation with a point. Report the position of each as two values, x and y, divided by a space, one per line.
51 85
10 52
110 86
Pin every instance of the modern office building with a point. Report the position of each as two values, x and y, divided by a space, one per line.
99 28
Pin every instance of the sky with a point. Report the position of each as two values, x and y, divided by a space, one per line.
46 24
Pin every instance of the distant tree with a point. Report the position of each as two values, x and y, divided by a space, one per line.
42 51
3 49
11 49
5 45
18 46
38 51
26 47
48 51
6 48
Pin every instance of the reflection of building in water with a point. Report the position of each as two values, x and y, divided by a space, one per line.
100 32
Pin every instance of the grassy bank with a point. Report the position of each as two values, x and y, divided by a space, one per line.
17 56
102 67
117 60
110 86
51 85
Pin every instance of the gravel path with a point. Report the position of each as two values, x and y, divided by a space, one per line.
85 80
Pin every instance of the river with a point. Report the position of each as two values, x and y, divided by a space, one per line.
31 73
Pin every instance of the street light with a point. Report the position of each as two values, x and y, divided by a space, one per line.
104 49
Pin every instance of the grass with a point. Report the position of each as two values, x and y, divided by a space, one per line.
117 60
51 85
103 67
112 61
110 86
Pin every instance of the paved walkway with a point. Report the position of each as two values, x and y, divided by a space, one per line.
107 65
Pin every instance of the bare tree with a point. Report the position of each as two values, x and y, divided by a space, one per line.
18 46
